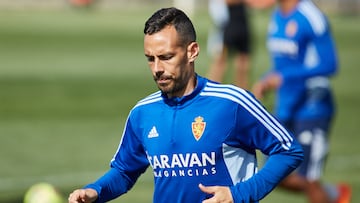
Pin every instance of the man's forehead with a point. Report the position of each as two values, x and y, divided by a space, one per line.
161 42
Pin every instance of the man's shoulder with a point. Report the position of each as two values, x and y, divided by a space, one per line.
212 86
313 16
226 91
152 98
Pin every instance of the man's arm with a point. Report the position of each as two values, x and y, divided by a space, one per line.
83 196
128 163
276 168
265 133
111 185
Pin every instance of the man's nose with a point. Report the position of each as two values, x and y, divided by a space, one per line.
158 66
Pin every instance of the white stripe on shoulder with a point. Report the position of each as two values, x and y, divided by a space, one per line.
314 15
150 99
247 101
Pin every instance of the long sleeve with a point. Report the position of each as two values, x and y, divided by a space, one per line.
128 164
111 185
277 167
266 134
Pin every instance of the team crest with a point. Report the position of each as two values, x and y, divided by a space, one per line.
198 127
291 28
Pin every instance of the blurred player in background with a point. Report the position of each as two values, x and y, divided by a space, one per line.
230 39
304 57
199 137
81 3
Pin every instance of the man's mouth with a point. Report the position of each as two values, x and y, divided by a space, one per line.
163 80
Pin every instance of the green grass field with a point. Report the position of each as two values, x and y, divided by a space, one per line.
69 78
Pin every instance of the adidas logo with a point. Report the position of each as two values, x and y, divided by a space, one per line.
153 133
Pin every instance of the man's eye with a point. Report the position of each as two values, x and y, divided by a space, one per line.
150 58
164 58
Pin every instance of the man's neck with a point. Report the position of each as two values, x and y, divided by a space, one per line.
287 6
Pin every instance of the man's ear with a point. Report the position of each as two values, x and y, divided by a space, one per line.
193 51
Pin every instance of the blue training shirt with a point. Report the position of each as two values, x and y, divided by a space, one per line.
207 137
303 52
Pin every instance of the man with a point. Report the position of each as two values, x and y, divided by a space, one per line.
304 56
198 136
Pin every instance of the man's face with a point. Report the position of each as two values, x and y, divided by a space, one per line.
170 61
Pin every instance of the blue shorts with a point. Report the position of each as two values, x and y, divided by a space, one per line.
313 135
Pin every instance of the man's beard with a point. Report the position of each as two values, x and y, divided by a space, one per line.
174 86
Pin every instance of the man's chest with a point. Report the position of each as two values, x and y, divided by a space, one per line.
184 131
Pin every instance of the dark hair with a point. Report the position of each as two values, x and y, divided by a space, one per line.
171 17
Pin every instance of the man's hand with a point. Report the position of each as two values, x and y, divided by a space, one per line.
83 196
270 82
220 194
259 89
